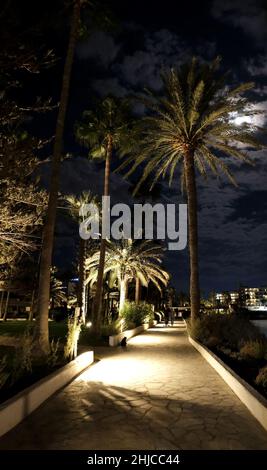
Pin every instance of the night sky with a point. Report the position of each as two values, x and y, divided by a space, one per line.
232 221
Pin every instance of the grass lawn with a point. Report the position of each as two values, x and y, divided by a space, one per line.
57 331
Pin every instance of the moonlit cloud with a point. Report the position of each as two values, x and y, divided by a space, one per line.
248 15
100 46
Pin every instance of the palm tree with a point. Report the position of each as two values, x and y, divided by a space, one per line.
194 122
128 259
57 291
104 130
75 204
41 329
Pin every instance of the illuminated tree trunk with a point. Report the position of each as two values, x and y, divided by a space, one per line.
1 302
6 306
41 329
81 285
123 293
97 306
137 290
191 190
30 317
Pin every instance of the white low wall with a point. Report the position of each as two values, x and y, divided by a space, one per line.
114 340
14 410
255 402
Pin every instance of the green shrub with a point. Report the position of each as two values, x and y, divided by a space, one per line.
135 314
22 361
111 329
213 342
52 357
74 329
230 331
261 379
254 349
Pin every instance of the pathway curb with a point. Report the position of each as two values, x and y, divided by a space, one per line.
114 340
254 401
14 410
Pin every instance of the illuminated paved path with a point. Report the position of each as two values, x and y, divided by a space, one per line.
158 394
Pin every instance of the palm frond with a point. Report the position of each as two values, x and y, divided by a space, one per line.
132 259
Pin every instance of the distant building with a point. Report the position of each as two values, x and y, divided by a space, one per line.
226 298
234 297
245 296
253 296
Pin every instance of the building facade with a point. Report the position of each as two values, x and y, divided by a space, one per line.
245 297
253 296
226 298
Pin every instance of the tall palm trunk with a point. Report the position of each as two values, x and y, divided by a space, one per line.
97 307
6 306
191 190
1 302
123 293
88 300
137 290
41 330
81 285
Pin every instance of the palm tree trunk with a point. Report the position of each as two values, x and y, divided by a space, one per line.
1 302
41 329
123 293
97 307
6 306
137 290
88 307
127 291
81 285
30 317
193 233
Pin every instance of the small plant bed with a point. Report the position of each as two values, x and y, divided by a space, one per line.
11 388
19 369
19 366
238 343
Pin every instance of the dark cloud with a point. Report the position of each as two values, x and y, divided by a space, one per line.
81 174
141 67
100 46
257 65
250 16
251 206
109 86
161 49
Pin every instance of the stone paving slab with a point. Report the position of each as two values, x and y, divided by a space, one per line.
158 393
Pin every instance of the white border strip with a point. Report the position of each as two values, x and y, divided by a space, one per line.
14 410
255 402
116 339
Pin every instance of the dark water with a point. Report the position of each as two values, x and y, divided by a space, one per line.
261 324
